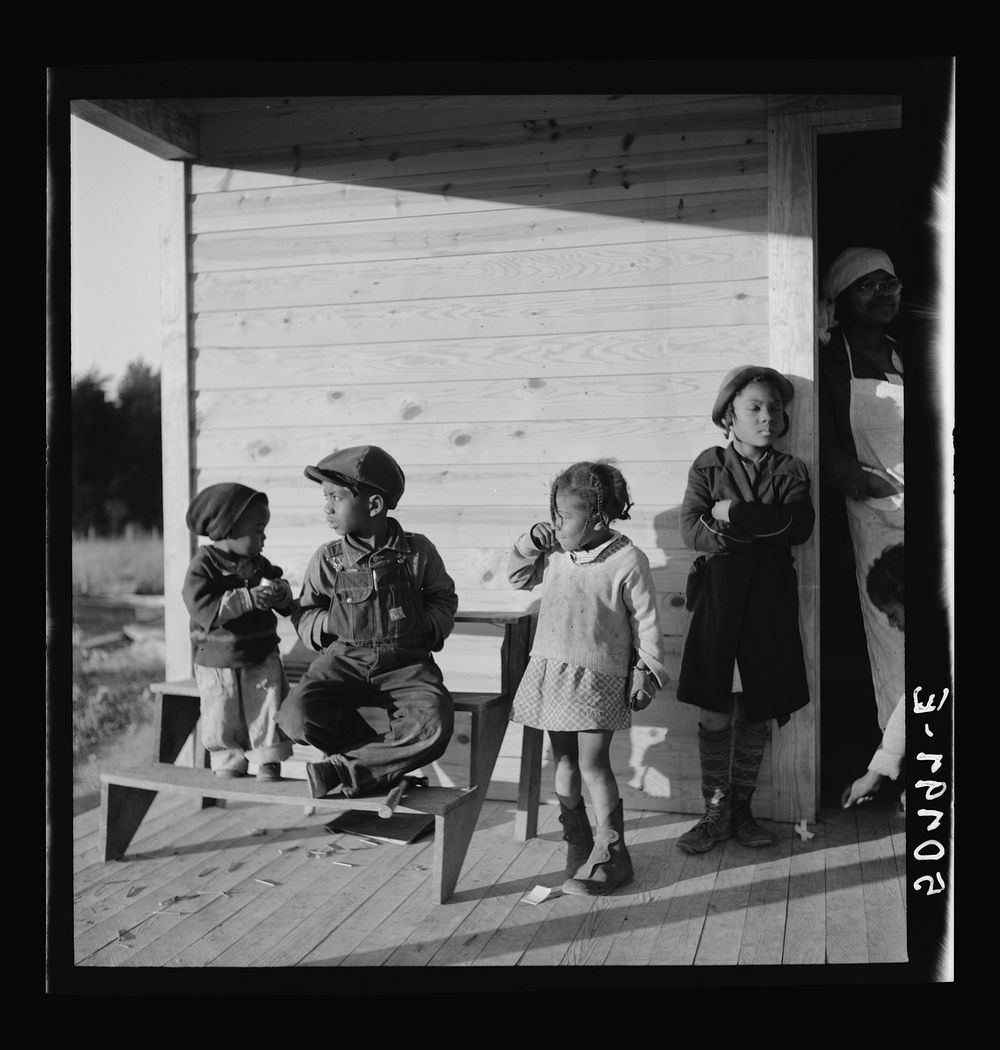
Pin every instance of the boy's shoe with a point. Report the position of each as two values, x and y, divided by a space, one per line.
714 827
229 774
269 771
323 778
747 830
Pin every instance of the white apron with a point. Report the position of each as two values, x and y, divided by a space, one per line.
877 428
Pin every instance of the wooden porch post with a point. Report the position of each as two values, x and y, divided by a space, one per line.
175 413
791 321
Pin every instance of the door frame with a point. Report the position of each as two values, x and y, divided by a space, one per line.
793 127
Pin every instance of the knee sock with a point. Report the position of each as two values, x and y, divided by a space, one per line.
748 752
713 750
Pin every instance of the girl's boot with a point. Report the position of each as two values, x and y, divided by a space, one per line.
578 836
609 865
716 825
748 753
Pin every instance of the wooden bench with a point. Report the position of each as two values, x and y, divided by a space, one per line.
127 794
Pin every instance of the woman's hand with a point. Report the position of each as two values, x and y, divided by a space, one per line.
642 689
862 790
877 486
720 510
543 535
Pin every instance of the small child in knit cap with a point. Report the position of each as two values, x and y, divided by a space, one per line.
232 592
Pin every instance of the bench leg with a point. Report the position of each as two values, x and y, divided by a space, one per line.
529 784
176 720
122 810
452 835
176 717
489 727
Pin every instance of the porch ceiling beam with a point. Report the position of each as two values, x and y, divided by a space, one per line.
157 125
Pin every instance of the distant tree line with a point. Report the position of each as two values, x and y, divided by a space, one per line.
116 465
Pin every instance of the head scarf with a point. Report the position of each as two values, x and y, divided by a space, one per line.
851 264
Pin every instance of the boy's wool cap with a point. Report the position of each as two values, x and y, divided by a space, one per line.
738 378
851 264
361 465
215 510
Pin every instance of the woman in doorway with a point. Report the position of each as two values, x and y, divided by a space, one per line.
861 433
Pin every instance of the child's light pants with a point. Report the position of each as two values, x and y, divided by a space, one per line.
239 713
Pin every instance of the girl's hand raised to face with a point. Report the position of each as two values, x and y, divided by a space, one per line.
543 535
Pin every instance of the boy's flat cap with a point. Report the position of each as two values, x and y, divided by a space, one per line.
361 465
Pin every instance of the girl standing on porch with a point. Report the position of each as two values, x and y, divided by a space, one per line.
597 656
746 506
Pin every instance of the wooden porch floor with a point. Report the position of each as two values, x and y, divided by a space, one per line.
236 887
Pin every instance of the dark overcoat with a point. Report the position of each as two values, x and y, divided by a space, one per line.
743 593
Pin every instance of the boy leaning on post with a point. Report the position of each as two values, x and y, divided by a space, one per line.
375 603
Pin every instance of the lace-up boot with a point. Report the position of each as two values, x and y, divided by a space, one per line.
714 746
746 829
714 827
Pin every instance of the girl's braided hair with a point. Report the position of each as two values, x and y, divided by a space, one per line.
599 487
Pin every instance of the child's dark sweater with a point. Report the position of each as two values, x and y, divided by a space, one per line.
225 627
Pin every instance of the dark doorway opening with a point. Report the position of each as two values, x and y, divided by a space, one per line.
859 203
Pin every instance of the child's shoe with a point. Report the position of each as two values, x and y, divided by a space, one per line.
323 778
609 865
746 829
269 771
714 827
578 836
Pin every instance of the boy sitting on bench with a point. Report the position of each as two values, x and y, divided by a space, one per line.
375 603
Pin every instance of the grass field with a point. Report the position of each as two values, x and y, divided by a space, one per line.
130 564
112 704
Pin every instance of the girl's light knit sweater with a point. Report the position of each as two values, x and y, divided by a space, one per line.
596 614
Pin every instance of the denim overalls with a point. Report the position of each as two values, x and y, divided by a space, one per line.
376 605
376 639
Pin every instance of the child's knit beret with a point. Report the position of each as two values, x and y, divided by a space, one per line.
215 510
738 378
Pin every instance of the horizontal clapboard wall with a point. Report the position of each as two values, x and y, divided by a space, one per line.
490 288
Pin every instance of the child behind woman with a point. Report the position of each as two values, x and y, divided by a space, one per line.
746 506
597 655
